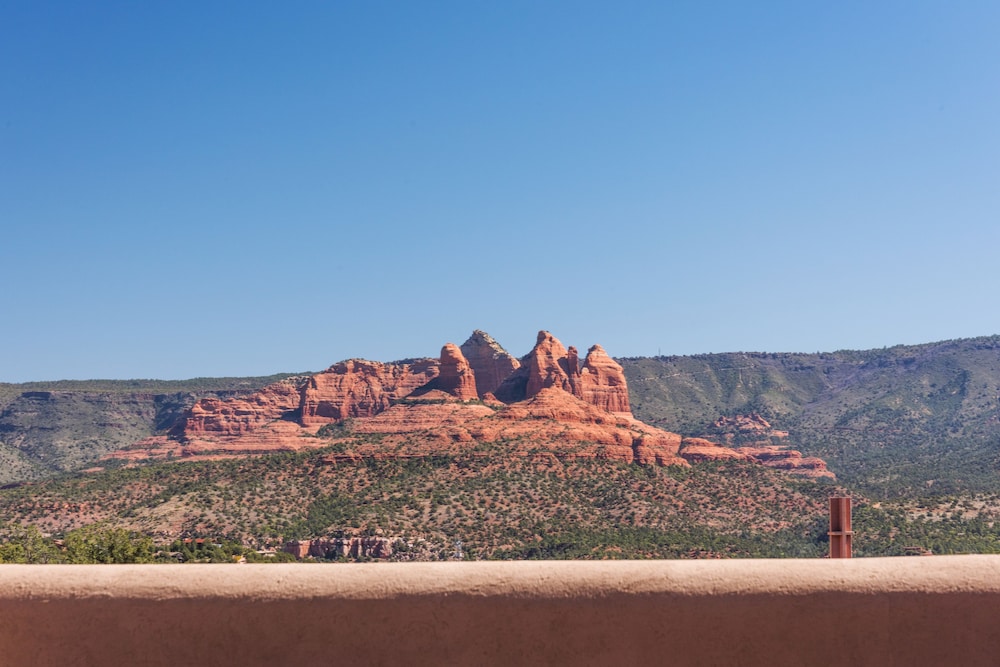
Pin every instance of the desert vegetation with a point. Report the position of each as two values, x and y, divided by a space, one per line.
497 508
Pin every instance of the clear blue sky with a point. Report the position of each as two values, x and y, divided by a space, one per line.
192 189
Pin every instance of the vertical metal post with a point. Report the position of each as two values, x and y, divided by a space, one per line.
840 533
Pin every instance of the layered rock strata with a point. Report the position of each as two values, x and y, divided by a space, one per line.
550 365
697 450
491 364
236 416
553 423
455 376
550 405
790 460
753 436
360 388
600 381
341 547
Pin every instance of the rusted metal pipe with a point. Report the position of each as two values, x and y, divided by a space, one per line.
841 535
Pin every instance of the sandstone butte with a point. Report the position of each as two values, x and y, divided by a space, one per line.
474 399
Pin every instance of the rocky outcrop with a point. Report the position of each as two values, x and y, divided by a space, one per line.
352 388
359 388
236 416
602 382
490 363
698 450
655 446
553 423
745 429
752 422
552 406
435 413
558 405
548 365
341 547
790 460
577 428
755 437
455 377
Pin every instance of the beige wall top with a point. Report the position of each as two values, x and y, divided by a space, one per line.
940 610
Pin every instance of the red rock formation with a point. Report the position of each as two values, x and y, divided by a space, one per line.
341 547
602 382
553 407
236 416
790 460
359 388
656 446
455 376
277 436
547 365
572 368
746 423
767 445
697 450
556 404
577 428
743 427
417 415
514 388
489 361
552 423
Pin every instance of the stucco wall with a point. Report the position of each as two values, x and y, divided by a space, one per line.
902 611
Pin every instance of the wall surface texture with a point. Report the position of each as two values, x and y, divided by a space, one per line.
943 610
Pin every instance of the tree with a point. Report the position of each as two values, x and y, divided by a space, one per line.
100 543
25 544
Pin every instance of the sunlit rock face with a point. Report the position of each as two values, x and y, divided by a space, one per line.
490 363
548 404
359 388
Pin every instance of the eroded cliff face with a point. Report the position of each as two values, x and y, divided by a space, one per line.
550 405
551 425
753 436
602 382
490 363
549 365
235 416
790 460
697 450
455 376
359 388
341 547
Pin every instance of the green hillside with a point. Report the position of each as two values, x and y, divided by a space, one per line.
905 421
52 427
